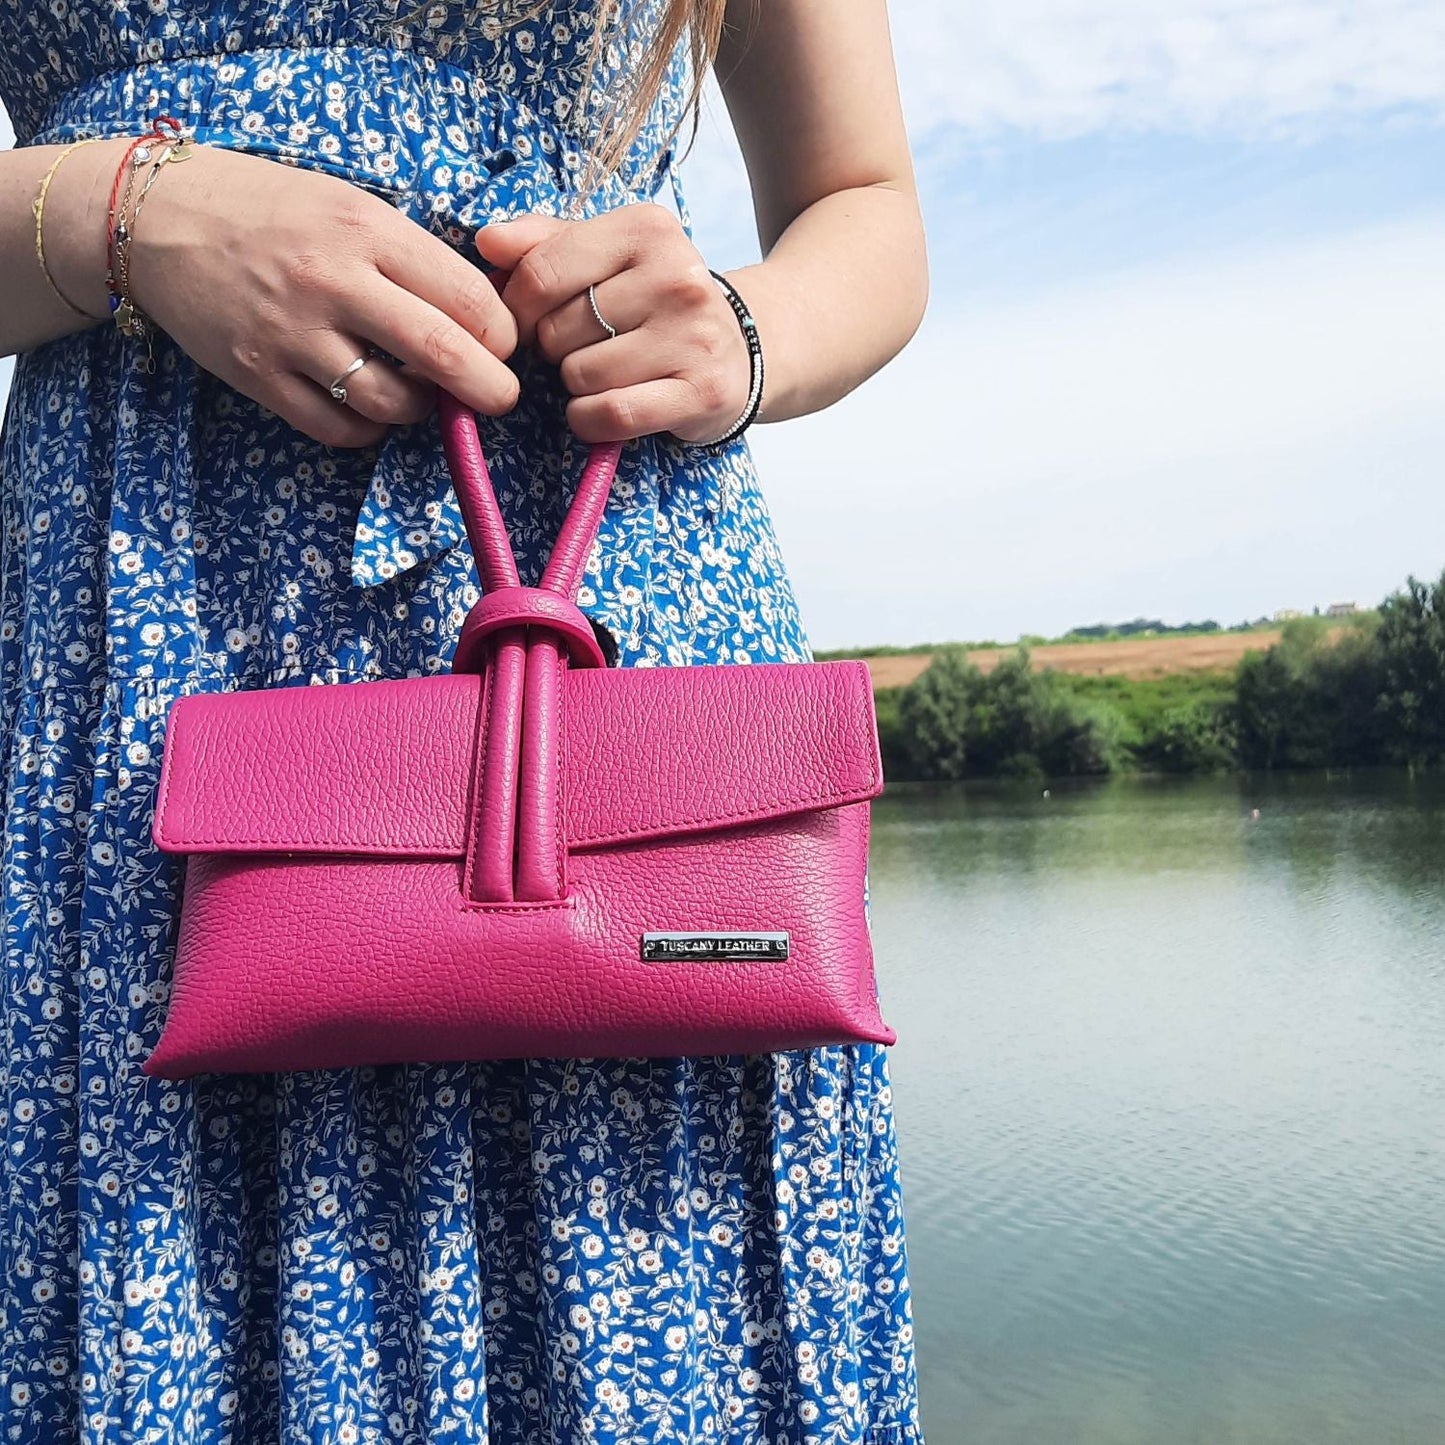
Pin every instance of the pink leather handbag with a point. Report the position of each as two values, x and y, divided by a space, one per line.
536 855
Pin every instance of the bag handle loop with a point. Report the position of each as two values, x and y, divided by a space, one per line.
522 639
486 529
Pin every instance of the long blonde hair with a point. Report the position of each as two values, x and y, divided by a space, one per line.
700 22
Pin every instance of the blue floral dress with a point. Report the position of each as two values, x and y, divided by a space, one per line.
522 1253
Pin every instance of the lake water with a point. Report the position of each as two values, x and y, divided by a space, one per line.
1170 1087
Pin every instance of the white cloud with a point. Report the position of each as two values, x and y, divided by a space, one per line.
1069 67
1220 438
1221 435
976 71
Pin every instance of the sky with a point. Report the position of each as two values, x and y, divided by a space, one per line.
1182 357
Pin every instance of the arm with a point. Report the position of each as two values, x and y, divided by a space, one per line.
32 312
270 276
813 95
842 286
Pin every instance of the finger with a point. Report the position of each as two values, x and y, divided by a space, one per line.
504 243
623 301
437 346
634 411
311 409
566 263
436 273
634 358
378 390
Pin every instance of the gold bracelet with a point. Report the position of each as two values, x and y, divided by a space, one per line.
131 320
38 207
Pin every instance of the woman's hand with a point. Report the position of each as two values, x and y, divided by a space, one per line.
276 278
679 362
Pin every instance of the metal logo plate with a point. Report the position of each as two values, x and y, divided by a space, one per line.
714 947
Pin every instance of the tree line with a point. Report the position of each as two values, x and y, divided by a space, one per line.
1370 694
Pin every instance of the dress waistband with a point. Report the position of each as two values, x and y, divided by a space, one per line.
393 120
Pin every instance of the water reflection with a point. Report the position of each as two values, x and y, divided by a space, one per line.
1171 1089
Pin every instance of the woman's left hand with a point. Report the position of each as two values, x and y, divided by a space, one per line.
678 363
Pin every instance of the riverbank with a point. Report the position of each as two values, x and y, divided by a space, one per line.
1363 691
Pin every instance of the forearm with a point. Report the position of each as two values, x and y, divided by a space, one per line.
839 295
813 96
74 236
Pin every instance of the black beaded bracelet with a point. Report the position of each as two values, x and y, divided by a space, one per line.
755 361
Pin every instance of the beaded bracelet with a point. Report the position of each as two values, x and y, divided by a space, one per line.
755 362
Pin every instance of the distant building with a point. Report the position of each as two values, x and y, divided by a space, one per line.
1341 609
1287 614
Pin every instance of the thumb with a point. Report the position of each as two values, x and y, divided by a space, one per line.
504 243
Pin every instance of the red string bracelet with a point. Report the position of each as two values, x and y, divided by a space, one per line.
163 128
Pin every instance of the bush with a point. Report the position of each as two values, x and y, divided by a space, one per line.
1193 738
956 722
1411 656
891 742
934 712
1310 702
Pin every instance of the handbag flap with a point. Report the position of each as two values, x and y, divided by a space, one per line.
382 767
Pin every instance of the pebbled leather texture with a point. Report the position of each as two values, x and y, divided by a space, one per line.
463 867
328 962
383 767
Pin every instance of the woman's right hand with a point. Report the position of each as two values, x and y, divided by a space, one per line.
276 277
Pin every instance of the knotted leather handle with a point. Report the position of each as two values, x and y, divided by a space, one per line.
486 529
522 638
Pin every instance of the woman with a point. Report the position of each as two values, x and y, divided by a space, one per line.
678 1251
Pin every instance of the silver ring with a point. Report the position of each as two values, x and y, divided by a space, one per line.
336 388
602 321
